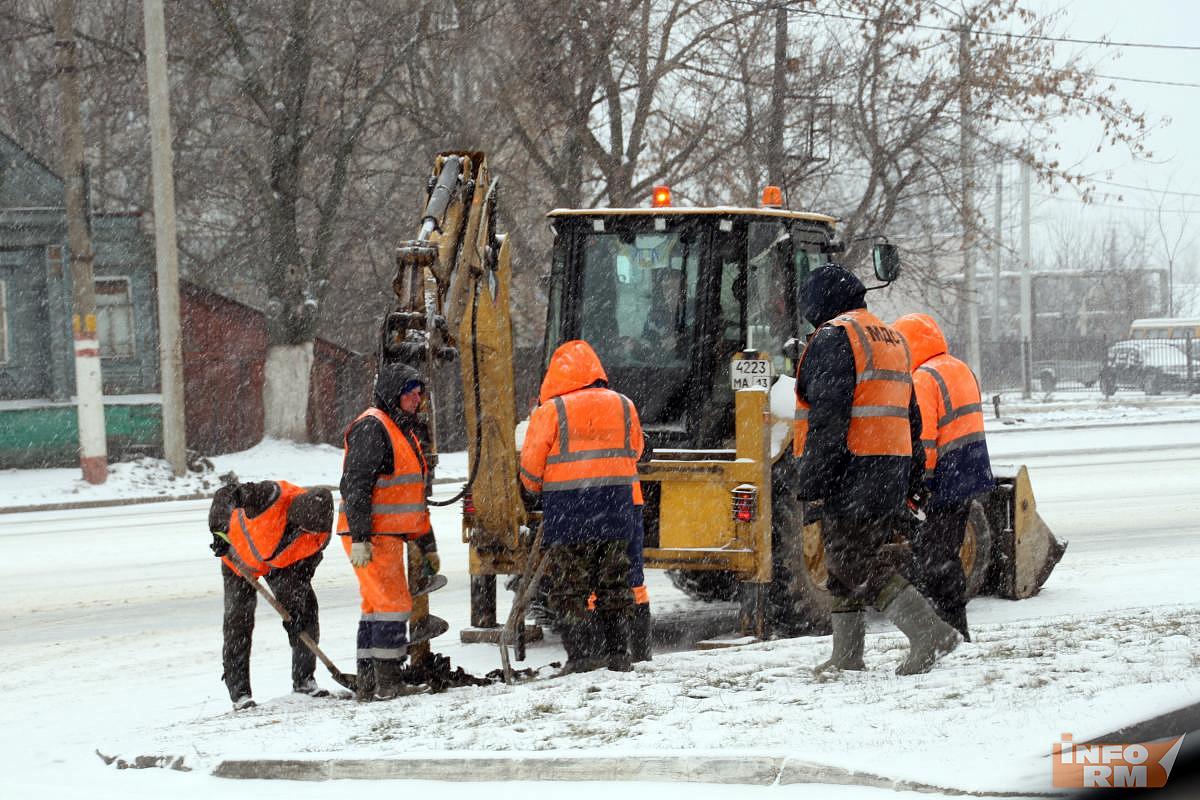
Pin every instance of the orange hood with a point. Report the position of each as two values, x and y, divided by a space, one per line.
574 365
924 337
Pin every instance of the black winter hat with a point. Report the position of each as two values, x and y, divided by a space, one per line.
831 290
390 382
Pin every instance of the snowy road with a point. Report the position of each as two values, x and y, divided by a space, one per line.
110 618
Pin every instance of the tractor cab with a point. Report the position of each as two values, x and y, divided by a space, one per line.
670 297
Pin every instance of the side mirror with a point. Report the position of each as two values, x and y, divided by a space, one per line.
887 262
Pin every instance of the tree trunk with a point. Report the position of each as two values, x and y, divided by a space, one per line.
285 391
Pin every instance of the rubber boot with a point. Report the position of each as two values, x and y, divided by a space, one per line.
957 619
616 640
849 632
364 689
640 629
929 638
580 641
389 678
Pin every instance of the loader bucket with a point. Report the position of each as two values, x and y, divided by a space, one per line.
1024 550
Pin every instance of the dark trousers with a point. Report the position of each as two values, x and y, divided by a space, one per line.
576 570
858 567
292 586
937 568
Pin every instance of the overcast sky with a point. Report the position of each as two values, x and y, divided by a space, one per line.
1175 165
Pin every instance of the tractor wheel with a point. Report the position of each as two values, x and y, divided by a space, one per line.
708 586
976 550
798 600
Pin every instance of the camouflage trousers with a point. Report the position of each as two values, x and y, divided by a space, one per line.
578 570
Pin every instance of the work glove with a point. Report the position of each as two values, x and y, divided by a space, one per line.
360 554
918 497
220 544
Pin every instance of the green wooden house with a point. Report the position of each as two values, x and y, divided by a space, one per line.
37 380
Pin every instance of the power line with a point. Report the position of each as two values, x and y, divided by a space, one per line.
977 31
1145 188
1092 204
1148 81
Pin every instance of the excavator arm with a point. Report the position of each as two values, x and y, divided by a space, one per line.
452 304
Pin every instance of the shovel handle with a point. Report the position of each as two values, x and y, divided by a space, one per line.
342 678
534 567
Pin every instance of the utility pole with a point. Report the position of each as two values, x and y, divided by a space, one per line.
170 352
89 388
775 170
997 246
970 300
1026 286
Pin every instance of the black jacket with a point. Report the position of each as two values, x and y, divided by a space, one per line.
369 449
827 471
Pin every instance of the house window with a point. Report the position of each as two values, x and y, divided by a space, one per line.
3 322
114 317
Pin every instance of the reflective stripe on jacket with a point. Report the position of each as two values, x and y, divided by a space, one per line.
593 443
883 386
398 506
951 408
258 545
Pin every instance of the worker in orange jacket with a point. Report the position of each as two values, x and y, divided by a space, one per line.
957 465
276 531
385 480
580 454
857 430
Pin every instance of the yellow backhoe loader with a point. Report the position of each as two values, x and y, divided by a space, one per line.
694 313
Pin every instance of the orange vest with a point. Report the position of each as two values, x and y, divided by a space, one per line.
951 409
398 500
596 444
256 543
882 389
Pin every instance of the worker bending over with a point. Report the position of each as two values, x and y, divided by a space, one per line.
276 531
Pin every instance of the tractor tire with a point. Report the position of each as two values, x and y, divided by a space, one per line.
709 586
798 601
976 550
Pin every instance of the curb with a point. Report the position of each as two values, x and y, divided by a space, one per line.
748 770
135 501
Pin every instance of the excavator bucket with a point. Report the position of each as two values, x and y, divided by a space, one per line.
1024 551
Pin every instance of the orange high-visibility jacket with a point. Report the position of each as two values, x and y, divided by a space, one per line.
947 391
398 506
256 543
883 387
579 437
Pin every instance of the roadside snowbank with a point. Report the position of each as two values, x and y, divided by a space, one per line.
305 464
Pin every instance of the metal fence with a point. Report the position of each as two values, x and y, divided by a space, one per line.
1150 366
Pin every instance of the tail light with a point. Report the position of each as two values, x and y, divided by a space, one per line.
745 503
468 502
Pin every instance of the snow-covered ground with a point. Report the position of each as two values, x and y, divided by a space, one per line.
110 627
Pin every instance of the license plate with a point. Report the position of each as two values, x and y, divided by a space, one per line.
748 373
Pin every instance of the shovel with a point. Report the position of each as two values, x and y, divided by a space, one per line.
347 679
535 565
